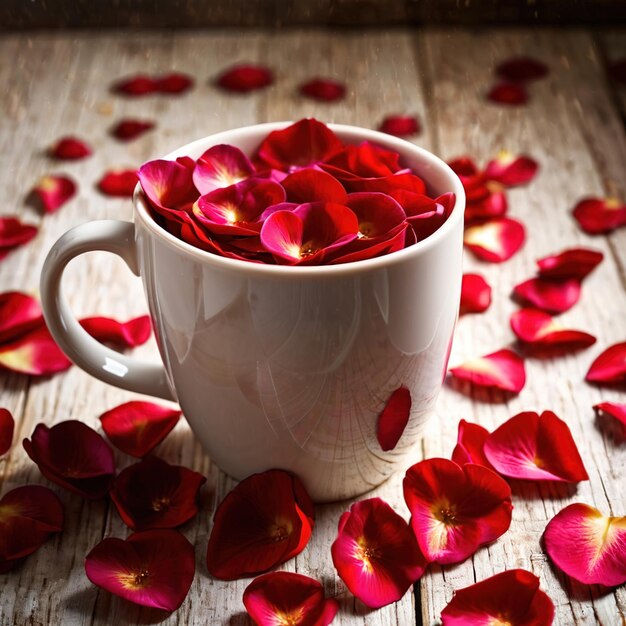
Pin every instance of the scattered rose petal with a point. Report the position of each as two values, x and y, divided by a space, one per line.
137 427
572 263
510 94
7 425
139 85
617 414
491 204
221 166
29 515
376 554
34 353
400 125
14 234
610 366
503 369
129 334
69 149
600 215
323 89
510 170
173 83
552 295
536 328
54 191
393 419
496 240
245 78
455 510
154 568
129 129
475 294
521 69
587 545
512 597
530 446
288 598
264 521
74 456
154 494
19 313
118 183
469 446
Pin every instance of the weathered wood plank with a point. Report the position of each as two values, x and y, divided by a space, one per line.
571 129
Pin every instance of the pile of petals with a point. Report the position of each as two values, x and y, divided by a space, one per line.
305 198
514 74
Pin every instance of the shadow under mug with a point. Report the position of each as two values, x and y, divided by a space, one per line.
277 366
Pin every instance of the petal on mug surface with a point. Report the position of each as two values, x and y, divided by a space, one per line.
393 419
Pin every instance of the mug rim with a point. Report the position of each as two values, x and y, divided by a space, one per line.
142 211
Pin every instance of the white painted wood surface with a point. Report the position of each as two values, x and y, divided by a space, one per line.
58 84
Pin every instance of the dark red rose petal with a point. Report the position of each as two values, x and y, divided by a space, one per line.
54 191
154 568
14 234
174 83
118 183
129 129
245 78
503 369
393 419
616 413
7 425
509 94
521 69
400 125
572 263
129 334
552 295
264 521
137 427
600 215
475 294
323 89
139 85
69 149
514 593
310 185
469 446
74 456
610 366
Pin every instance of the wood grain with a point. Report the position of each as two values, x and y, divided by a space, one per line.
58 84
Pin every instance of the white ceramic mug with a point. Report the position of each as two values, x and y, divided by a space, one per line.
276 366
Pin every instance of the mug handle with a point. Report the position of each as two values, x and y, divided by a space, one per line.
96 359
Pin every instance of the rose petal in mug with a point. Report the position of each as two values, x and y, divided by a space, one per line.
54 191
469 445
13 234
393 419
552 295
571 263
221 166
475 294
510 170
364 160
495 240
7 426
245 78
118 183
312 185
503 369
129 334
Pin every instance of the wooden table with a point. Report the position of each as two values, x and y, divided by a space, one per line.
56 84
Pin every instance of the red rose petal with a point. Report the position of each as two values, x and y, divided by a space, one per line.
34 353
288 598
139 85
588 545
400 125
173 83
221 166
129 129
302 144
137 427
475 294
552 295
455 510
514 593
617 412
69 149
503 369
490 205
469 446
264 521
118 183
7 426
29 515
509 94
153 494
19 313
364 160
154 568
522 69
530 446
129 334
572 263
496 240
54 191
376 554
310 185
511 171
14 234
323 89
393 419
600 215
74 456
610 366
245 78
539 329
